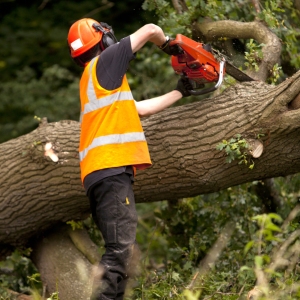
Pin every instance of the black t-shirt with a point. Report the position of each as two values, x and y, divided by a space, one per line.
113 64
111 67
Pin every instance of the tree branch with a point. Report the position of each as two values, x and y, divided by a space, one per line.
101 8
297 4
248 30
177 6
85 245
256 5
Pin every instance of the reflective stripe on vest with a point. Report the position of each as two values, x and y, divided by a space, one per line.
113 139
111 131
94 102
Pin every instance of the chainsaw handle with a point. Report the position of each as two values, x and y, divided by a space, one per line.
211 89
175 48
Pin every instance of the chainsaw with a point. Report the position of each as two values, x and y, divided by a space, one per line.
202 64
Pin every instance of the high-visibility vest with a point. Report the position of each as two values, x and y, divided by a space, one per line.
111 130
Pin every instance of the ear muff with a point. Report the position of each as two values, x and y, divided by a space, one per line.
108 37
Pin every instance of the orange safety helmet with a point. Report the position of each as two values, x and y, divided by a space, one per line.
85 33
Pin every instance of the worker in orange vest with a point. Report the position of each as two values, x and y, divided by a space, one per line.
112 141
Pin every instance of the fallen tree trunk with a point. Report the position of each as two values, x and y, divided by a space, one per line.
37 193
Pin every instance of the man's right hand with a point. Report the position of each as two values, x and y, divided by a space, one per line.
171 49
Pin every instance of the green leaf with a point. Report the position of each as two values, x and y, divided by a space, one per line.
245 268
190 295
248 246
275 217
258 261
175 276
227 149
220 146
273 227
187 265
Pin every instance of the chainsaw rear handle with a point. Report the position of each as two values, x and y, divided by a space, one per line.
211 89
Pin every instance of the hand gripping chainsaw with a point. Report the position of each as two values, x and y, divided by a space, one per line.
201 64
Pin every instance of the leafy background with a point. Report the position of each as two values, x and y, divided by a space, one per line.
38 78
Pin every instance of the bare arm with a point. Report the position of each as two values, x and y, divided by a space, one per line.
152 33
147 33
151 106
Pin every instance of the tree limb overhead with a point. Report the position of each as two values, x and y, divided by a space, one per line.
245 30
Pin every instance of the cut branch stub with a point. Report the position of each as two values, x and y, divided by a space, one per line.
295 104
256 147
48 151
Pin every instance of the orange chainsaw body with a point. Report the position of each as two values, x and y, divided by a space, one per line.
195 62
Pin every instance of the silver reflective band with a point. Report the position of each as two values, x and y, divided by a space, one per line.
113 139
95 104
91 64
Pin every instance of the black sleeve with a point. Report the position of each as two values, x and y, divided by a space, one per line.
113 64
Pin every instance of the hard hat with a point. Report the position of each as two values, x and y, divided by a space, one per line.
86 33
83 36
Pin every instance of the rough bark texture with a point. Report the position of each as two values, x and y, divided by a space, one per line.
37 193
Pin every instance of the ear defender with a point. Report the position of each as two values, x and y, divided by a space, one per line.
108 37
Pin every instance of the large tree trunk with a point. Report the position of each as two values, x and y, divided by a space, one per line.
36 193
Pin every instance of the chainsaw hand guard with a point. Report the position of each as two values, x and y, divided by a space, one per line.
171 49
211 89
184 86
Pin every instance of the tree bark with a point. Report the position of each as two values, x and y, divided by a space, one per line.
256 30
37 193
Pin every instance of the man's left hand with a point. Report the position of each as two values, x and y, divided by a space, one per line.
184 86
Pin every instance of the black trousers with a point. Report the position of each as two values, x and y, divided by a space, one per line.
113 209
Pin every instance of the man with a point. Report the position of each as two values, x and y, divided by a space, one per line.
112 142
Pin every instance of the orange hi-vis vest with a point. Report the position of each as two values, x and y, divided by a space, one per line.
111 130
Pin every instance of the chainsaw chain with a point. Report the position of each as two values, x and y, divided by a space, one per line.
220 56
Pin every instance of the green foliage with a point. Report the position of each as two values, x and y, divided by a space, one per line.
185 227
271 255
75 224
38 77
17 273
177 236
276 73
280 16
34 34
283 18
41 80
55 96
254 56
54 296
236 148
172 22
